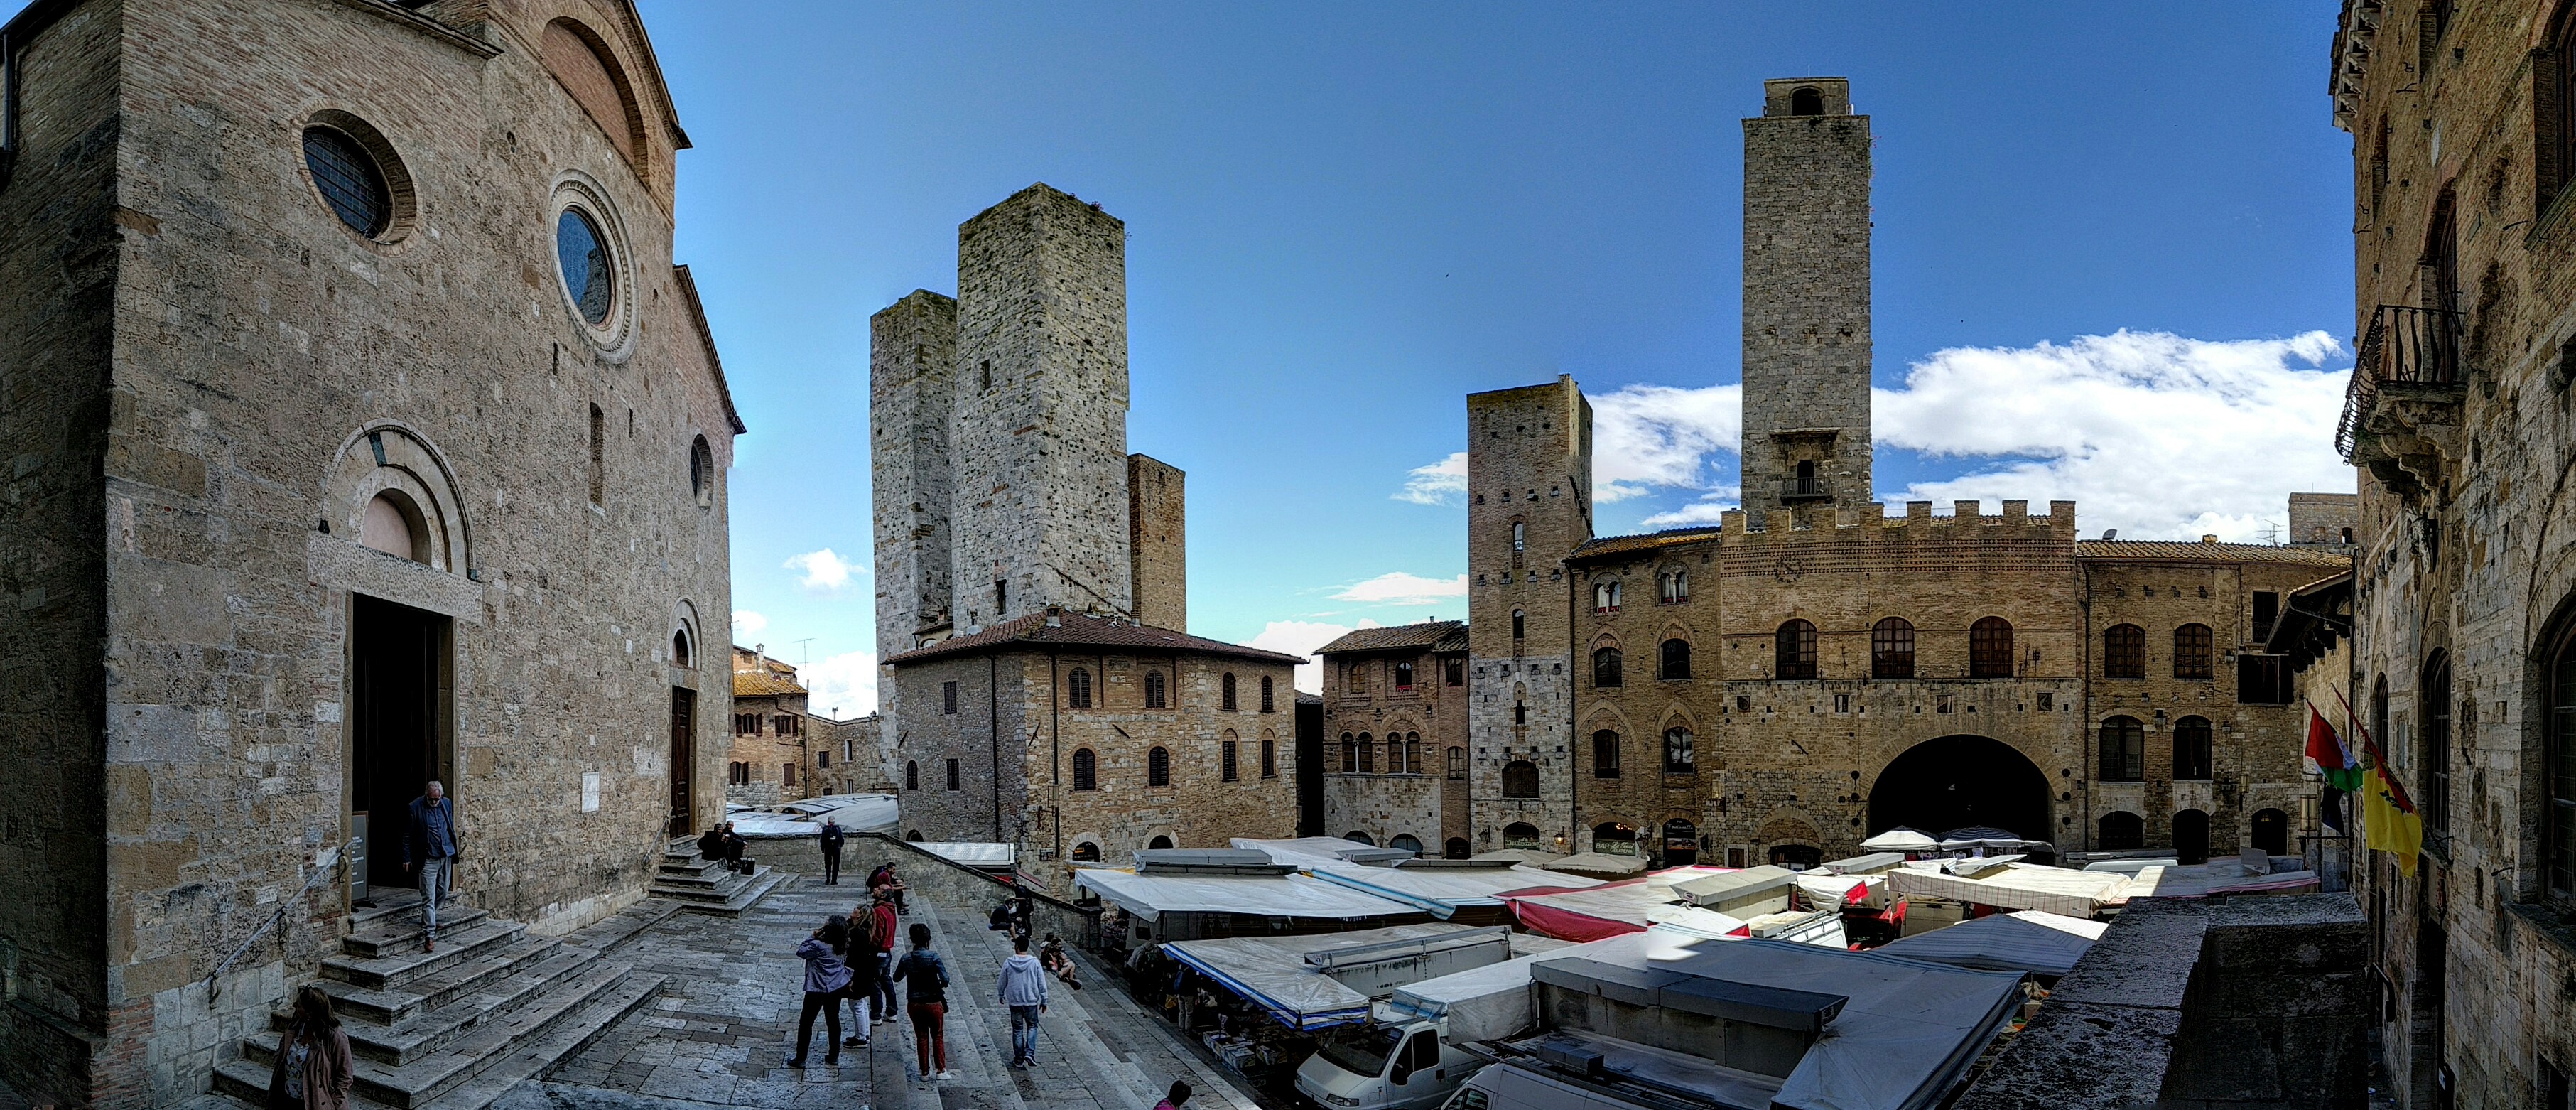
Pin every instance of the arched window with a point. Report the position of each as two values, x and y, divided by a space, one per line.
1227 767
1225 692
2191 836
2124 652
1681 843
1796 651
1520 779
1891 648
1077 689
1269 704
1355 677
912 774
1358 836
1404 674
2124 750
1413 753
1368 755
680 648
2191 748
1456 848
1520 624
351 181
1520 537
912 836
1605 754
1406 842
1990 648
1614 839
1159 843
1521 835
2558 760
1457 764
1158 767
1155 695
1605 597
1605 667
702 472
2379 711
1350 753
1675 586
2433 692
1086 852
589 71
395 526
2194 648
1086 769
2120 830
1676 659
1269 758
1806 100
1679 758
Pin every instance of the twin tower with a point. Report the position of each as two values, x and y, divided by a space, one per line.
998 434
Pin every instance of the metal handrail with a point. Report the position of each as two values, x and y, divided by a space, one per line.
1806 487
340 859
2405 345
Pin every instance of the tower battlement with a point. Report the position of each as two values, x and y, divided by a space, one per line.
1782 525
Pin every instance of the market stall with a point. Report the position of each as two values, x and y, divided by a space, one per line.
2041 943
1472 896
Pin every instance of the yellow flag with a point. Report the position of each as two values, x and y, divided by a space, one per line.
2389 825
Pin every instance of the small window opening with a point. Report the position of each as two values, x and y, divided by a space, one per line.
1807 101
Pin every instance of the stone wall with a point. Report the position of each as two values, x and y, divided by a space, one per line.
271 373
1529 465
1806 294
1040 427
912 379
1158 542
1380 797
2325 519
767 751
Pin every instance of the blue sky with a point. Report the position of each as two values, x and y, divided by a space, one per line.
2112 259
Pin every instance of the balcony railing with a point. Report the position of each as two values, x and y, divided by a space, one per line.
2405 347
1806 489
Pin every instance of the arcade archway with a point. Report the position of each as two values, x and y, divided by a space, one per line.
1959 781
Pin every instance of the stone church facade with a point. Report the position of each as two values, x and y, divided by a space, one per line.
362 432
1040 686
1809 670
2460 421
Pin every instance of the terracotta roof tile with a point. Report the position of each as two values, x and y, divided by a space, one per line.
752 684
2174 551
1084 630
1627 545
1428 634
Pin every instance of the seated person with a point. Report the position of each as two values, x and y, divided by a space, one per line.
1051 957
884 878
722 846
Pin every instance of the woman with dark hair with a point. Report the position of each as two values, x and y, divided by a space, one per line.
826 977
925 979
313 1070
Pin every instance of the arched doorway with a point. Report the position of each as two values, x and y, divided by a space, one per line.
1681 843
2120 831
1407 842
1158 843
1356 836
1796 856
1086 852
2191 836
1456 848
1520 834
1614 839
2272 832
1957 781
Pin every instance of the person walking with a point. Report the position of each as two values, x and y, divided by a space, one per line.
826 976
866 976
925 989
885 929
1024 990
430 846
831 839
312 1070
1175 1098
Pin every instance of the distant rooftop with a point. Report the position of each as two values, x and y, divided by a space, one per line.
1070 629
1435 635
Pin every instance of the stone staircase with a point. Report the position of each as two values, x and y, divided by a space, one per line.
452 1030
704 885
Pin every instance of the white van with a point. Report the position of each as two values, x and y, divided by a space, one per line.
1504 1087
1402 1066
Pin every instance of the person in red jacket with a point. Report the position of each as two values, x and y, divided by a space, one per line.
884 931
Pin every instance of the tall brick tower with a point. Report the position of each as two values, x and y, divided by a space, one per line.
912 381
1529 492
1806 298
1039 436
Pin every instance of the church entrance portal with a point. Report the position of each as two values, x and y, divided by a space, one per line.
399 693
684 759
1959 781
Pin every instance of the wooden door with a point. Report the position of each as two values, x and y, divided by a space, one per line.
684 762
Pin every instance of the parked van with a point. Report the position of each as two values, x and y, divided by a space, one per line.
1504 1087
1401 1066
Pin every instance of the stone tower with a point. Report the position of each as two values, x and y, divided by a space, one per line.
1039 435
1529 492
1158 543
1806 298
912 382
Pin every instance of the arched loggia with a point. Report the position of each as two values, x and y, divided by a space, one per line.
1958 781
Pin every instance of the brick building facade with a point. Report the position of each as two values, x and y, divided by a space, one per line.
2460 422
364 433
773 758
1395 737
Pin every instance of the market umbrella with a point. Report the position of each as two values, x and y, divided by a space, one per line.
1901 839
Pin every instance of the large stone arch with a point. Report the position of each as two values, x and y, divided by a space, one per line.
390 458
1960 780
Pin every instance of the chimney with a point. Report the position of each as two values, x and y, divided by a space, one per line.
1054 615
2208 538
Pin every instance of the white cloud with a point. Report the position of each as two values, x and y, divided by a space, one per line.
1302 638
1440 483
1645 436
1396 587
1709 509
841 686
747 624
2154 434
824 571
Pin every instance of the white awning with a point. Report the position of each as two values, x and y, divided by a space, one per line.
1442 890
2017 886
2024 940
1901 839
971 853
1151 896
1272 972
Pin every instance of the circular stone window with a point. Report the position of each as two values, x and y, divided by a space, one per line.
589 271
350 180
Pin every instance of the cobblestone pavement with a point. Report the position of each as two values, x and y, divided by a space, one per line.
719 1033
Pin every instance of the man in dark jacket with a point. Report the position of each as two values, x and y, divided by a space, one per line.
831 838
430 851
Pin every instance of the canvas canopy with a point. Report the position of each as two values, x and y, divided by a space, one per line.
1628 906
1827 892
1595 863
1443 891
1273 972
1901 839
2017 886
1150 896
1307 851
2024 940
968 852
1729 889
1519 855
1481 1004
1903 1039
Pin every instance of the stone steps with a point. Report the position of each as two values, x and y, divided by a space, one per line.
425 1031
388 972
425 1079
706 886
729 903
429 992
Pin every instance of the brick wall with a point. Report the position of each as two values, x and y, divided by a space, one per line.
1806 293
1389 800
1158 542
1529 463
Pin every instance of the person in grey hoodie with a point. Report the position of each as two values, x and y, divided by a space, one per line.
826 979
1024 990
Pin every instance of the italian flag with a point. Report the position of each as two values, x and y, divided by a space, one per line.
2331 757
